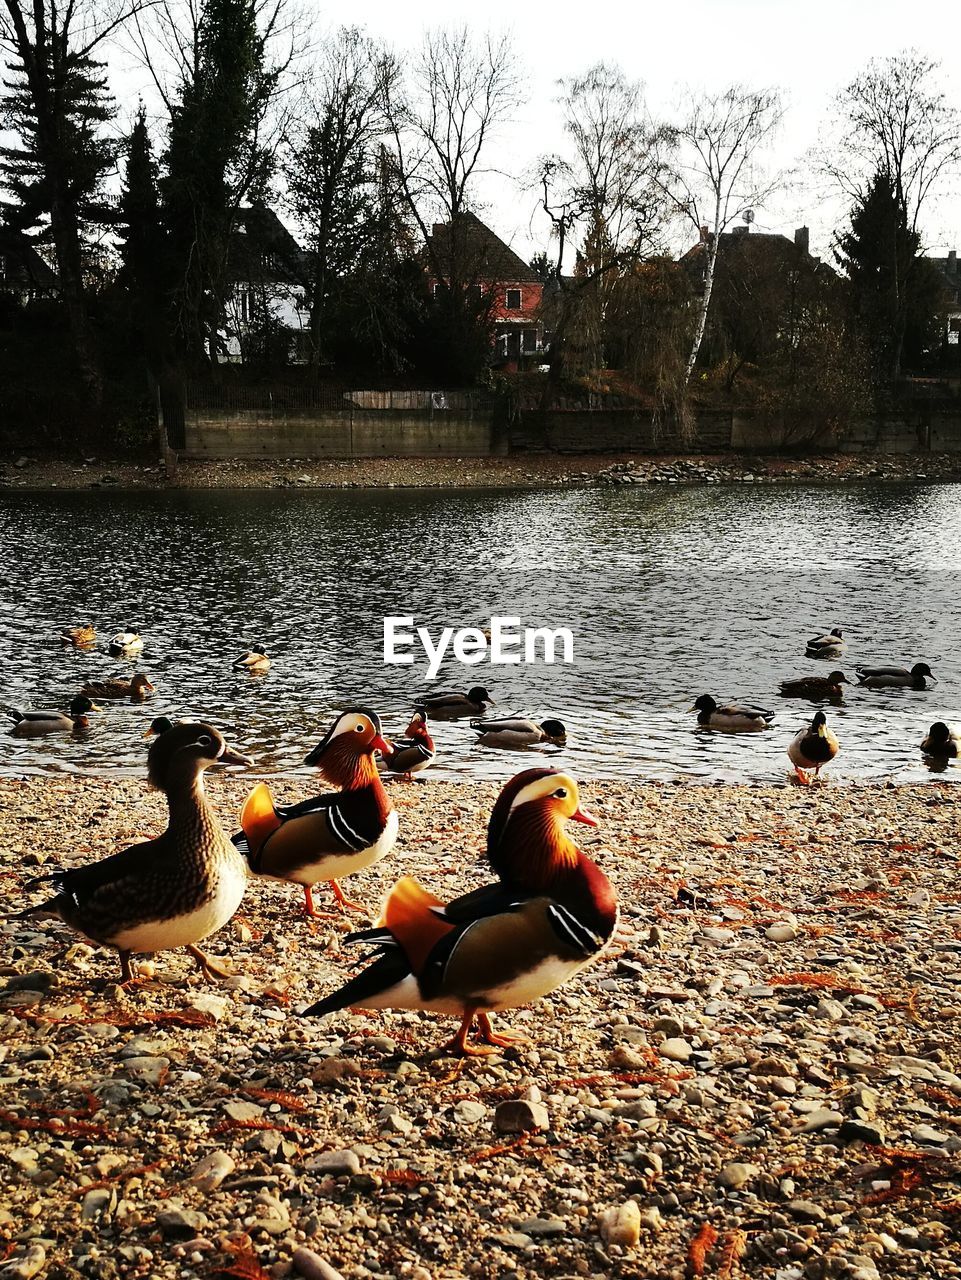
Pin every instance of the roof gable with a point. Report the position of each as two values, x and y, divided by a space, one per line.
480 253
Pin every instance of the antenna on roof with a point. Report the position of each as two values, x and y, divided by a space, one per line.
748 216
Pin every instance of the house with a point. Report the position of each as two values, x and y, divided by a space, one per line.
264 312
948 268
24 275
469 250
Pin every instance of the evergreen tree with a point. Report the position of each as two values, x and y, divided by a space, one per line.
142 243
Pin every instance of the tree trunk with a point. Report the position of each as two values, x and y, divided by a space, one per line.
705 297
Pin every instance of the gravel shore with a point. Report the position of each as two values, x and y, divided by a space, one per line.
761 1077
520 471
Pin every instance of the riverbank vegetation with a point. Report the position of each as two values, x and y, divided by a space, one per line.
302 209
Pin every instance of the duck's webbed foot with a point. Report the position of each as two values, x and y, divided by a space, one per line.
208 966
503 1039
310 909
458 1044
345 902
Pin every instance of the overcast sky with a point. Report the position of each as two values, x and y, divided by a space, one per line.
809 50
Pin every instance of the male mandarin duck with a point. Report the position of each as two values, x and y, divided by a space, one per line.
32 724
170 892
514 733
413 752
136 689
125 644
815 686
812 747
451 705
255 661
895 677
332 835
80 637
551 913
941 743
826 646
735 717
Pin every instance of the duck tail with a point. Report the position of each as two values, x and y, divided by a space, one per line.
258 820
51 907
386 972
16 716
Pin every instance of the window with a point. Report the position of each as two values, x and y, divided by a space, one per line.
513 300
530 339
954 324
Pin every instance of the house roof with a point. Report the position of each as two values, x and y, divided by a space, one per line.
481 254
948 267
17 249
261 248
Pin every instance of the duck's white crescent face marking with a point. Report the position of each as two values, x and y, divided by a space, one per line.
541 788
352 723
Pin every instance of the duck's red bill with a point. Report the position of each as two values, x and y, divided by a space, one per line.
585 816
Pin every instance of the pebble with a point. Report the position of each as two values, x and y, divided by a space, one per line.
736 1175
781 932
518 1115
675 1050
336 1163
312 1266
147 1070
179 1223
928 1136
210 1172
820 1119
621 1224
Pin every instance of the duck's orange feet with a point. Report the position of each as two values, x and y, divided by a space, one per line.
503 1039
210 967
311 911
803 778
345 902
458 1044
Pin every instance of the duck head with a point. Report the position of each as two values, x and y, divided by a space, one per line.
838 677
527 841
159 725
345 753
140 681
921 669
479 695
417 729
705 703
554 731
819 724
80 707
186 750
939 734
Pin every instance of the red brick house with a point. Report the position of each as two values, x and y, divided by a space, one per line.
488 265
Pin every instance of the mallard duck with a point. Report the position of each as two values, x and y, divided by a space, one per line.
941 742
329 836
827 646
514 733
170 892
815 686
157 726
136 689
413 752
31 724
736 717
125 644
552 912
895 677
813 747
255 661
80 637
451 705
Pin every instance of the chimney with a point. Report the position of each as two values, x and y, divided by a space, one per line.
951 266
802 240
705 235
740 230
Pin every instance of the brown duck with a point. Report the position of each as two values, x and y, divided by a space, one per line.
136 689
332 835
165 893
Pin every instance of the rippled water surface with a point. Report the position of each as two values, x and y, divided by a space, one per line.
671 592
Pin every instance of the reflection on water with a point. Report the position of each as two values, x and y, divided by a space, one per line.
670 592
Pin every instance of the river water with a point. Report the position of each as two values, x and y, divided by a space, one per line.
670 592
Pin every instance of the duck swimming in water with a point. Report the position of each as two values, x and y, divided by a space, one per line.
735 717
515 733
80 637
826 646
329 836
451 705
136 689
815 687
941 743
551 912
170 892
33 724
895 677
812 747
125 644
255 661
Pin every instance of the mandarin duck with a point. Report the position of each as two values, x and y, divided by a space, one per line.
815 687
826 646
125 644
514 733
451 705
255 661
895 677
80 637
413 752
812 747
332 835
136 689
941 743
32 724
551 913
170 892
735 717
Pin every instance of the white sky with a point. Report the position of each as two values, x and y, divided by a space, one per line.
808 50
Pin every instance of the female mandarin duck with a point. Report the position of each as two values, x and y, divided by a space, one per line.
503 945
170 892
331 835
411 753
135 689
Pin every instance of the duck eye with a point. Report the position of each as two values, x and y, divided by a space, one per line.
560 794
359 728
205 740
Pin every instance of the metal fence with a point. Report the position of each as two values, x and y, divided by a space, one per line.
274 399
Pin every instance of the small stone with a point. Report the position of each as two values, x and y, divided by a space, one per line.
640 1109
861 1131
27 1266
213 1006
821 1119
336 1163
830 1010
773 1067
543 1227
181 1224
621 1224
928 1136
783 932
669 1027
651 1219
210 1172
97 1204
393 1121
806 1211
243 1111
736 1175
312 1266
675 1050
517 1115
147 1070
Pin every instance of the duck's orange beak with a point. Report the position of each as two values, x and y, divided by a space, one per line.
585 816
380 743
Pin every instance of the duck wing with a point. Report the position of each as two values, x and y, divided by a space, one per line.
291 837
509 724
883 671
744 709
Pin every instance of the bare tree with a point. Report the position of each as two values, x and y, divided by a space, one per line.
713 175
58 105
894 126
